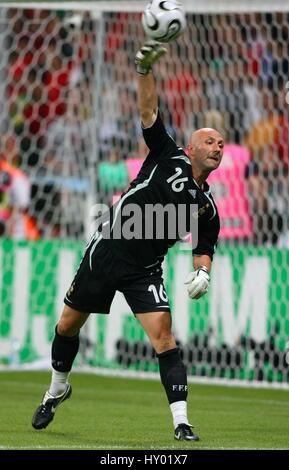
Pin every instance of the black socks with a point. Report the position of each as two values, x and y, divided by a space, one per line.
64 350
173 375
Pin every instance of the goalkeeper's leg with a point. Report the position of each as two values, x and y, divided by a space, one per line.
173 373
64 350
65 347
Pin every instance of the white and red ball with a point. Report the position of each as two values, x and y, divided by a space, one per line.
164 21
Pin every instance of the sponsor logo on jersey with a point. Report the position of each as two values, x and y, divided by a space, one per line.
193 192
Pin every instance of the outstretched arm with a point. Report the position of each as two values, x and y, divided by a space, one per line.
147 99
147 94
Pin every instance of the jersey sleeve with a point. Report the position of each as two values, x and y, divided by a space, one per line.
160 143
208 236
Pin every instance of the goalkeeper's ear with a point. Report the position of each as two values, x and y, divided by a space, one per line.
147 55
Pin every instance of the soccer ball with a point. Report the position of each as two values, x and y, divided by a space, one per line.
164 21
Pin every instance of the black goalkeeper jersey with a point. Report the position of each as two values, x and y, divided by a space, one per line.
165 178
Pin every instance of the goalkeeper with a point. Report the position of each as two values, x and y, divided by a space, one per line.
133 266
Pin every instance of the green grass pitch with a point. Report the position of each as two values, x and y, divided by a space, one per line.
113 413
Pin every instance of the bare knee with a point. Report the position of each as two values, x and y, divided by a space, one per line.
164 341
67 328
157 326
70 322
162 338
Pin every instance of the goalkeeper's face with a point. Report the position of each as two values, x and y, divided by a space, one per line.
205 149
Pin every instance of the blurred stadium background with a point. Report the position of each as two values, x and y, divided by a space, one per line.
70 138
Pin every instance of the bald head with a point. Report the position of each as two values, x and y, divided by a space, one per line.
202 134
205 151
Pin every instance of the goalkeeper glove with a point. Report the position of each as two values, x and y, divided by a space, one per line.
197 282
147 55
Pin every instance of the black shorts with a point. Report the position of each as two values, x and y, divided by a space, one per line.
101 274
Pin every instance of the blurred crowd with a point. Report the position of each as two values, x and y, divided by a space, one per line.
71 128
